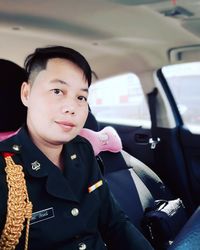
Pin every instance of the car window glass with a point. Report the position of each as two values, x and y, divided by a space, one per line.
119 100
184 82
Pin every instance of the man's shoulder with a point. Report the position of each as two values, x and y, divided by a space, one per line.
79 140
83 147
8 145
4 147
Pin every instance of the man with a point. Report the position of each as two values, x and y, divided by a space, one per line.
53 196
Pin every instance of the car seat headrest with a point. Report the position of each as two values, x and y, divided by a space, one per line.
105 140
13 112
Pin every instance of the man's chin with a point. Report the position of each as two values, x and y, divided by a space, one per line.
68 138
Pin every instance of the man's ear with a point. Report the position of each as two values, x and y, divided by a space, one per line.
25 92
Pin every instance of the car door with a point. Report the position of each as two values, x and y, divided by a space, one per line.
183 82
121 103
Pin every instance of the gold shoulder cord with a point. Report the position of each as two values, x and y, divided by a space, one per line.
19 208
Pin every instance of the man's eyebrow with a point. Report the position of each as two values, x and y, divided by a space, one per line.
85 90
56 80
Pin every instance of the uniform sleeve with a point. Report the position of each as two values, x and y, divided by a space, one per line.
116 229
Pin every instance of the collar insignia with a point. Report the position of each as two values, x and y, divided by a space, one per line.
35 165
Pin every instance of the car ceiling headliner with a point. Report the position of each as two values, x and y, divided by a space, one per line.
115 36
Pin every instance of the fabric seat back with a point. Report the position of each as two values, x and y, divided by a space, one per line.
134 185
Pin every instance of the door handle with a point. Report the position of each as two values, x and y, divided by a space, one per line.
142 138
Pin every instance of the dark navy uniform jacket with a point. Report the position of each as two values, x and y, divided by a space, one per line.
65 215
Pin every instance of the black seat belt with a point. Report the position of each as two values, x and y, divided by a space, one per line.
154 140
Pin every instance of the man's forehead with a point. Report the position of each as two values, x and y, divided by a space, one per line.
60 61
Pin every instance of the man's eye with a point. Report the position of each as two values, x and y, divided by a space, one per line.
57 91
82 98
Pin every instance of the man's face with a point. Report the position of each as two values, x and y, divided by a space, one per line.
56 102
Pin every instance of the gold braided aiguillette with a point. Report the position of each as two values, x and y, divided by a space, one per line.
19 208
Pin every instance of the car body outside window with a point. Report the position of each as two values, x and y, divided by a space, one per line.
184 82
119 100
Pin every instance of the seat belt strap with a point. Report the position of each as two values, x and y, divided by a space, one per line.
154 140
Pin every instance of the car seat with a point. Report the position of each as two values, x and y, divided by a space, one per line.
134 185
13 112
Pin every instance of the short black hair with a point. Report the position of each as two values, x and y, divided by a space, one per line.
37 61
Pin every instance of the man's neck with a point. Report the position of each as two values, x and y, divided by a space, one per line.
54 155
52 152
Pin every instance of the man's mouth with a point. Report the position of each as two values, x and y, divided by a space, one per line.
67 126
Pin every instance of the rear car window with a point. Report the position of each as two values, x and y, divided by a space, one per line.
184 82
120 100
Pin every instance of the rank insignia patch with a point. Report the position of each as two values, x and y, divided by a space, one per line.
95 186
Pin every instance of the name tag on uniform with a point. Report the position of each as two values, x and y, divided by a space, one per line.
42 215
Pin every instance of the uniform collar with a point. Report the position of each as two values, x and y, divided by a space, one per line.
37 165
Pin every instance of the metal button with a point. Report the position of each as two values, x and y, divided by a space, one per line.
75 211
82 246
16 147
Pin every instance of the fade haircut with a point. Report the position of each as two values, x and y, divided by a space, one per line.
38 60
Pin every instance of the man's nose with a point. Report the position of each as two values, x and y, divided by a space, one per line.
69 107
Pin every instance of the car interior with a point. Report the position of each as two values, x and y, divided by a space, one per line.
159 161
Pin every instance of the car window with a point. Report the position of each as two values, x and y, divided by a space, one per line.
120 100
184 82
